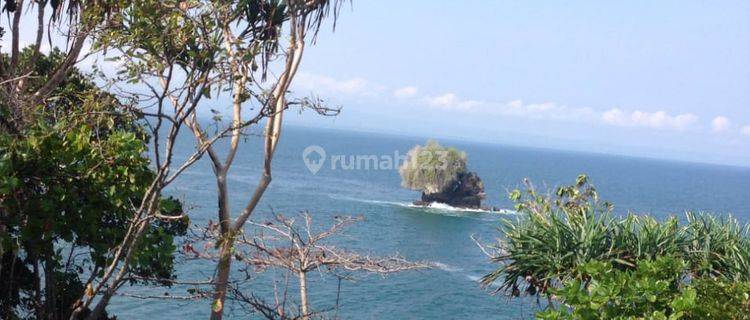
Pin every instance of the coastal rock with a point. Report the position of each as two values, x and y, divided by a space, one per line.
466 191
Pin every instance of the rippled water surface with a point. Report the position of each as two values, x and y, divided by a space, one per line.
437 234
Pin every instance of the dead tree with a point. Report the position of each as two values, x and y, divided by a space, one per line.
292 245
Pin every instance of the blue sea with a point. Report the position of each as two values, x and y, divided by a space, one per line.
439 235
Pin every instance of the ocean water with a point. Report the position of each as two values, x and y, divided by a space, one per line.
440 235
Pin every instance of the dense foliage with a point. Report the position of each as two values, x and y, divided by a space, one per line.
654 289
432 167
558 238
69 184
25 83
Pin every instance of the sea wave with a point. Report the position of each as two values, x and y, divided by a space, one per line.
462 273
447 267
445 207
435 208
370 201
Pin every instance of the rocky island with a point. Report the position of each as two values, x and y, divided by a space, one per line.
441 174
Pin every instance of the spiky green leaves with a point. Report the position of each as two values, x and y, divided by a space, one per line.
555 235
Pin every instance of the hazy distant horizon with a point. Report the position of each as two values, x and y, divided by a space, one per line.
448 140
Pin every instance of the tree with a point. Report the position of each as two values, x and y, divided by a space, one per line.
293 245
71 23
190 52
431 168
69 179
30 91
180 54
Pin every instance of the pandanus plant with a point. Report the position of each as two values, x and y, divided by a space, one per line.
554 235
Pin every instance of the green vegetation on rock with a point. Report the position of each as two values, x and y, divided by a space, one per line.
432 167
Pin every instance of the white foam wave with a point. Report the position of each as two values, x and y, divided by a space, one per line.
460 272
434 207
446 267
445 207
378 202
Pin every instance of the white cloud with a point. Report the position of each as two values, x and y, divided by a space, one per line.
545 110
405 92
720 124
451 101
656 120
327 85
363 88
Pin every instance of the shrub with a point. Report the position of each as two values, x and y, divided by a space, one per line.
654 289
722 299
717 246
554 235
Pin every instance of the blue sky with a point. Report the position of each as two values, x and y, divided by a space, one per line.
660 79
663 79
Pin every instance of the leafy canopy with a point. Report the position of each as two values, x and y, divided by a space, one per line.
69 184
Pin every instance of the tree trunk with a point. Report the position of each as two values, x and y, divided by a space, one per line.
38 303
99 308
110 290
222 279
50 289
227 238
303 295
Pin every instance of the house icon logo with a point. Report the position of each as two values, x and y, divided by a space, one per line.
314 157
